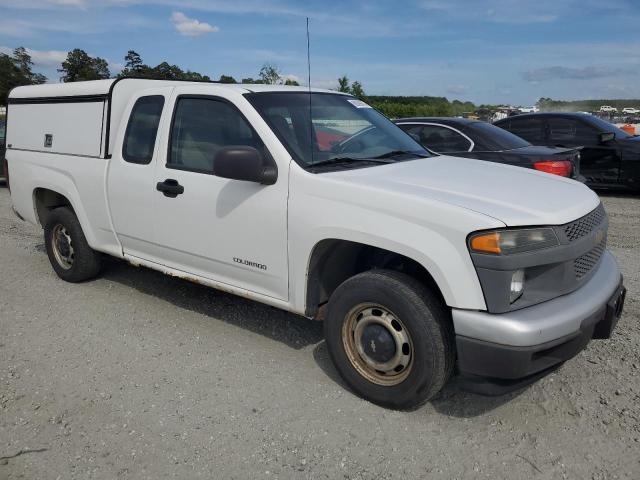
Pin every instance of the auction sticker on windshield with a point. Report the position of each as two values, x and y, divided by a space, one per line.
358 104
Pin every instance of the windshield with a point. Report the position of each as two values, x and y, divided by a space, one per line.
605 126
341 128
488 137
2 130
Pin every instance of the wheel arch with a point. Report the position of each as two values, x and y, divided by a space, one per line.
334 260
47 198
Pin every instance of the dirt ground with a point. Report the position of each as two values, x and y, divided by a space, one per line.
139 375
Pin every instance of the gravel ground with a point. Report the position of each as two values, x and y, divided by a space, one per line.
140 375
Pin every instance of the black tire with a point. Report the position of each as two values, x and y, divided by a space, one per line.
85 262
421 313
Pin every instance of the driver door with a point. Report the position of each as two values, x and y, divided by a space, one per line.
230 231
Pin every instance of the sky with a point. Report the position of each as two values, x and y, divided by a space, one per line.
485 51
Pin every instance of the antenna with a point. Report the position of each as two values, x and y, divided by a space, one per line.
309 87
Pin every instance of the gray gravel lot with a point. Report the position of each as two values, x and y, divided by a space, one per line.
140 375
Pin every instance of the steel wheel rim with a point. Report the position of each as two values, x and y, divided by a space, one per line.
386 373
62 246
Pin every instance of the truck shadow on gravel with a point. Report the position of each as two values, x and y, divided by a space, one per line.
292 330
452 401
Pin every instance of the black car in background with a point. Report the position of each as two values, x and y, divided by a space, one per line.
3 131
462 137
610 157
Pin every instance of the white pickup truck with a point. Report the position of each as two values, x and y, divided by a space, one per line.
314 202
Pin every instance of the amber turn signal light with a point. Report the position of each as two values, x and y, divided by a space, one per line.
487 243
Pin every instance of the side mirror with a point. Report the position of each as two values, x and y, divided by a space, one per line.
243 163
605 137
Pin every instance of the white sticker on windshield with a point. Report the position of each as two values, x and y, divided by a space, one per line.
358 104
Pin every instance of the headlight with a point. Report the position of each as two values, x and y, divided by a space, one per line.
509 242
517 285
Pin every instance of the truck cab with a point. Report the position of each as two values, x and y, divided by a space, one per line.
315 203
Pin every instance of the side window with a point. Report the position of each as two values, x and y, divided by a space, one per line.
531 129
201 127
442 139
140 136
570 132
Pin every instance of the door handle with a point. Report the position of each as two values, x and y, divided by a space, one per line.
170 188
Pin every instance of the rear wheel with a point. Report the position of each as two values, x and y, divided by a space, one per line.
69 253
390 338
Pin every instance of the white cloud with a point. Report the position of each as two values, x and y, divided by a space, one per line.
47 58
115 67
290 76
42 58
458 89
190 27
69 3
559 72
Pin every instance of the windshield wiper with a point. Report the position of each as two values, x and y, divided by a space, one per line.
338 160
395 153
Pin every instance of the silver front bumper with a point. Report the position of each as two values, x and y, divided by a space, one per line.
546 321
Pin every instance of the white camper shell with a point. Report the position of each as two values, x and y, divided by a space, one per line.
74 118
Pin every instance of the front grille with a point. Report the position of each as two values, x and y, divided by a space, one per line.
585 263
585 225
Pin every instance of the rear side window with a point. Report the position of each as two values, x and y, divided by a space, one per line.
570 132
203 126
140 137
439 139
488 137
531 129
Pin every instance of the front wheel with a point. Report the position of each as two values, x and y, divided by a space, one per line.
69 253
390 338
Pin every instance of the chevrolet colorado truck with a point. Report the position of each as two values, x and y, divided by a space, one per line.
312 201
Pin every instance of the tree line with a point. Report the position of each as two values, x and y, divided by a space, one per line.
549 105
16 70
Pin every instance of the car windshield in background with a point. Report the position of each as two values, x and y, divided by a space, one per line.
605 126
488 137
3 128
333 129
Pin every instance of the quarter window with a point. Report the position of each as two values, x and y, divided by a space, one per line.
570 132
531 129
142 129
203 126
440 139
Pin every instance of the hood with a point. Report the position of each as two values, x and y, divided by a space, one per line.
516 196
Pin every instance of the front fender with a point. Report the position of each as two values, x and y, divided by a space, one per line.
428 231
454 274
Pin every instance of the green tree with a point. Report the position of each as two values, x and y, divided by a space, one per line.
133 61
79 66
270 74
194 76
292 82
251 80
343 84
135 67
357 90
227 79
15 70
